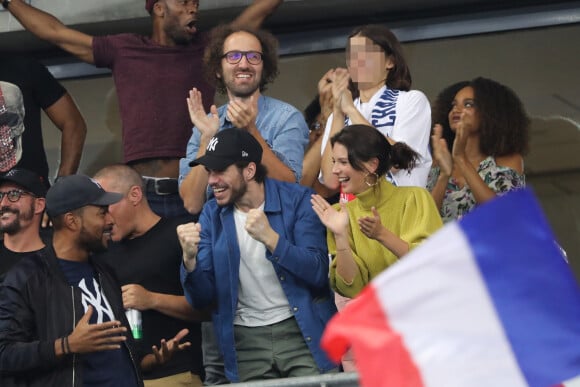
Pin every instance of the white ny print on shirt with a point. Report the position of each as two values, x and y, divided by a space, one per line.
98 300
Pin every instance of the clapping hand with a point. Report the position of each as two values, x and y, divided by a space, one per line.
207 124
335 221
243 114
460 142
325 98
342 97
441 151
371 226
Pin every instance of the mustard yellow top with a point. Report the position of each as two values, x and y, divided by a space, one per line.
408 212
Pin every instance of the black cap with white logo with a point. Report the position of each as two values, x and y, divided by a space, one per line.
228 147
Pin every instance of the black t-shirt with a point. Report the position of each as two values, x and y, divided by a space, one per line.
40 90
8 258
153 261
107 368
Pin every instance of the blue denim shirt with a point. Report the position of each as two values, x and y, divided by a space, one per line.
300 261
282 126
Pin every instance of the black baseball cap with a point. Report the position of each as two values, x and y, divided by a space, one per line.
228 147
26 179
75 191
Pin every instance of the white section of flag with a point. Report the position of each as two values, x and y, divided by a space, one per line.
471 343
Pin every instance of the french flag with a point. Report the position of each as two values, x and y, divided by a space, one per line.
488 301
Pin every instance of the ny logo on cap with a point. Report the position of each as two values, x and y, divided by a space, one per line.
212 143
244 154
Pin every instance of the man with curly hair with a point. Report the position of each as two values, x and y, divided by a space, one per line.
241 62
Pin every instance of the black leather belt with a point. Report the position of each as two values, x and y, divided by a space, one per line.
162 186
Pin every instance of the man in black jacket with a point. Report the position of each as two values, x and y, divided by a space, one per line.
62 321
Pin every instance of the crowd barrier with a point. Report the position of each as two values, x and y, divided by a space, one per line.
341 379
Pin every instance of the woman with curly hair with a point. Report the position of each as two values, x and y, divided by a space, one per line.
491 131
440 111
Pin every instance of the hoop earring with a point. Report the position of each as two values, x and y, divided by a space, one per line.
375 178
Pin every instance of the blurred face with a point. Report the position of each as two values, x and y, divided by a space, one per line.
15 216
96 226
351 180
241 79
228 185
464 110
179 20
122 212
366 62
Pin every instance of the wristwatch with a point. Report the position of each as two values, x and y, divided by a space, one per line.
6 3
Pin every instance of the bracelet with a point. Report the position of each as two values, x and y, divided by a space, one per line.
6 3
62 345
67 345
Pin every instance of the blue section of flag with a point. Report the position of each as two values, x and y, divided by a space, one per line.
534 292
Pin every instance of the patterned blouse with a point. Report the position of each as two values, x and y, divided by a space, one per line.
459 201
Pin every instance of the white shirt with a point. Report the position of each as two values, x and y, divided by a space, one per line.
404 116
261 299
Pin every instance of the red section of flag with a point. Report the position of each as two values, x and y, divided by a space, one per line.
381 357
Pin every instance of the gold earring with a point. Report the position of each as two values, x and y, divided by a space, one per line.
375 177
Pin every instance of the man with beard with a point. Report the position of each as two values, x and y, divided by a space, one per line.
259 253
152 77
250 64
62 320
241 63
145 255
22 204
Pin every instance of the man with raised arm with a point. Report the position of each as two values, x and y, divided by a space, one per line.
259 254
152 76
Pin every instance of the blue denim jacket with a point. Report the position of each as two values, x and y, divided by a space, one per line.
300 261
281 125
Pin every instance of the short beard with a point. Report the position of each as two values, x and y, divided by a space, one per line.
237 194
11 228
15 226
89 243
243 94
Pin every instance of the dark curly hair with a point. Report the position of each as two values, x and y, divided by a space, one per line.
441 108
399 76
364 142
213 54
504 124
